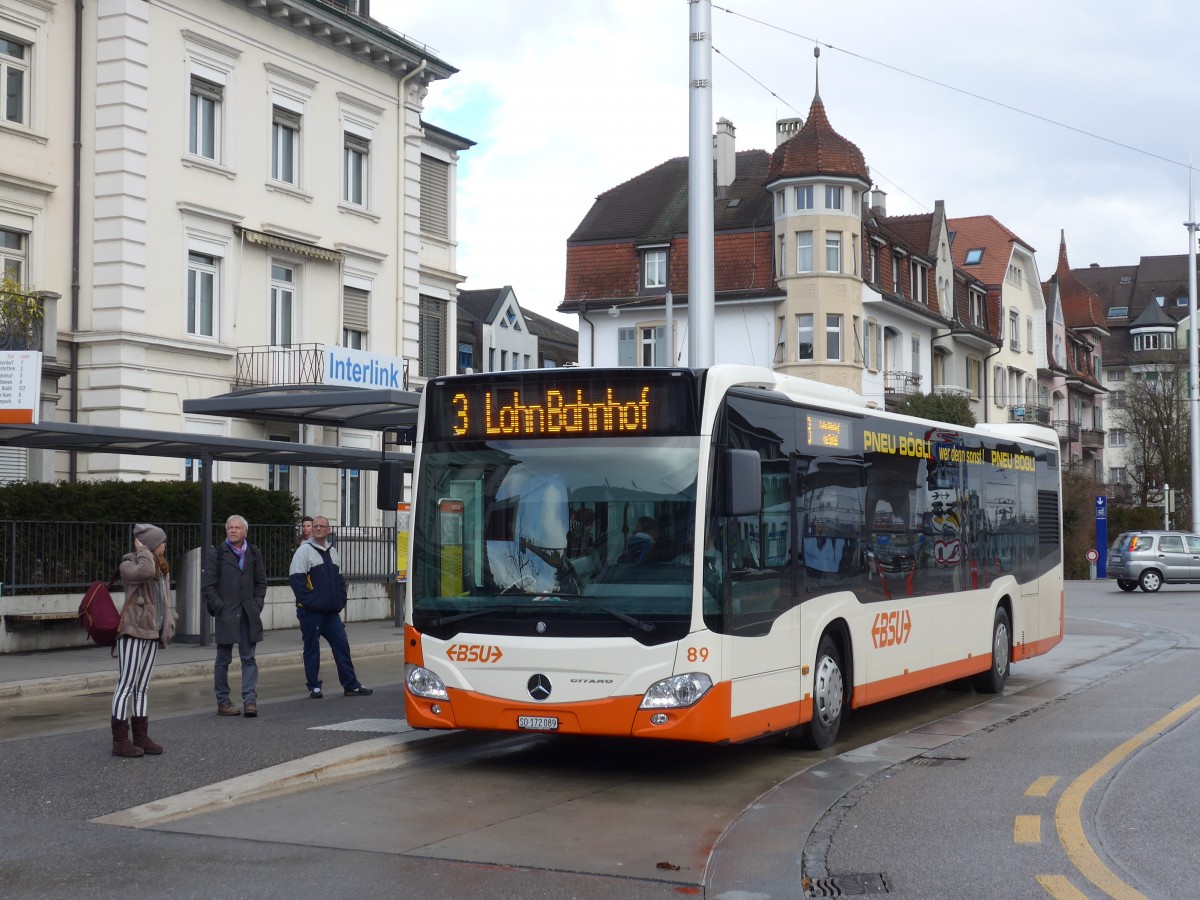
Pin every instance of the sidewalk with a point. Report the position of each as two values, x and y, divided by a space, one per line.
83 669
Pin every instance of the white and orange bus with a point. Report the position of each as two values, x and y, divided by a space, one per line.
713 555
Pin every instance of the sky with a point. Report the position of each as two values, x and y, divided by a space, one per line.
1072 115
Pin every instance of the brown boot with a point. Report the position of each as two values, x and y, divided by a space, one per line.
141 725
122 746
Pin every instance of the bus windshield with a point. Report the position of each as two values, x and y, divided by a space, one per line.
535 537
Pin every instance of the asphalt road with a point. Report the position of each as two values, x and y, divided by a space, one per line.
539 816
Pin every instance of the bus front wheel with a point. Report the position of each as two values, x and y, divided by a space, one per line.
992 681
829 694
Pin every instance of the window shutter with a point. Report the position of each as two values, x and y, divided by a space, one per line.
14 464
432 336
354 309
662 355
626 347
435 197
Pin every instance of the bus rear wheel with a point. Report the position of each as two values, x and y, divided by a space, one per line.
992 681
829 695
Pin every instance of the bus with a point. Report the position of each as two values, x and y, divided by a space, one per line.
713 555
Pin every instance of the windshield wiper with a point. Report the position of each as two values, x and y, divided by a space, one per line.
447 620
628 620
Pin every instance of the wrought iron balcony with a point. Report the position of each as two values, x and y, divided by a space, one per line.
1067 431
953 390
903 383
264 366
1027 412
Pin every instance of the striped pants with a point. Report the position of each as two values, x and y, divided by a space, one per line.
135 661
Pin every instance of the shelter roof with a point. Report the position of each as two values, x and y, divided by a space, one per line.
315 404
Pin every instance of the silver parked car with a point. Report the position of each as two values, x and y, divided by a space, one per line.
1150 559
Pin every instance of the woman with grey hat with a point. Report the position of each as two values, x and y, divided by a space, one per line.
147 623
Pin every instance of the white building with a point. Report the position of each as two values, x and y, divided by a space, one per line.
255 182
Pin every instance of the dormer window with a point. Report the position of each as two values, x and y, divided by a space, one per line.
1118 312
654 269
974 257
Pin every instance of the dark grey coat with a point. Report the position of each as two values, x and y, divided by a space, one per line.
227 590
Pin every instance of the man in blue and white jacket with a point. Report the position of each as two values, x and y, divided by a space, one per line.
320 589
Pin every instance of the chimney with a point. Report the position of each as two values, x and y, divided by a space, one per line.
723 151
787 128
879 202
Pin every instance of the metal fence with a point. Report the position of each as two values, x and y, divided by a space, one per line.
61 557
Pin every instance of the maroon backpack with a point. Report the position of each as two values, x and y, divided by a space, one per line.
98 614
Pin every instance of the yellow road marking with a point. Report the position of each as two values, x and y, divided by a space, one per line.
1060 888
1067 814
1042 787
1027 830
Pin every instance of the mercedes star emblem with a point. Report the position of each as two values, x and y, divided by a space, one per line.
538 687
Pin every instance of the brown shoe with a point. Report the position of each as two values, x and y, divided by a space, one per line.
250 710
228 709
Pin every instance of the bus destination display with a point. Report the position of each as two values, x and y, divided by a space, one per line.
830 432
519 408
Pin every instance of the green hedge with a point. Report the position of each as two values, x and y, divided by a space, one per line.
143 501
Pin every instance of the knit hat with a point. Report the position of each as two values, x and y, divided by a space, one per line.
150 535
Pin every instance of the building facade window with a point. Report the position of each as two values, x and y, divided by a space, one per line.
1116 437
1153 341
833 251
897 286
285 146
781 257
918 272
283 304
432 334
804 197
654 269
1015 276
873 263
350 506
833 337
356 156
466 356
833 196
355 317
12 254
202 294
999 385
804 336
279 477
780 203
804 252
974 377
204 118
1014 329
1116 374
976 303
435 197
1117 475
14 79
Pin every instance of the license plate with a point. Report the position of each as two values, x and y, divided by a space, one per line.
537 723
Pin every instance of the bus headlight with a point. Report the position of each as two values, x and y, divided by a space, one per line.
423 683
677 691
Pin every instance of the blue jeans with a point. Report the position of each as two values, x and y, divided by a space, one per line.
249 667
313 627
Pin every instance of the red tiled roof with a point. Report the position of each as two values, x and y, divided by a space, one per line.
1081 305
986 232
816 149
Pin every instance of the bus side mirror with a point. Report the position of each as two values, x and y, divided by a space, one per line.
743 483
391 485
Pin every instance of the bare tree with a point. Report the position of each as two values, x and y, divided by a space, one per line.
1155 419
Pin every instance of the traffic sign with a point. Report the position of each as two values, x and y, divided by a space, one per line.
1092 556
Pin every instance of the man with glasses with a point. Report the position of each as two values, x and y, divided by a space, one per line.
320 589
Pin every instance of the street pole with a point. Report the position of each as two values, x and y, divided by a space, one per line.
1193 356
701 340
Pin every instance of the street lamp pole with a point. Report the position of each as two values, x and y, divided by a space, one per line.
1193 356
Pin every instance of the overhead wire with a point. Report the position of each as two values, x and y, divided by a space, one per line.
941 84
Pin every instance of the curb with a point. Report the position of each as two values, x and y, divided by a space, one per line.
89 682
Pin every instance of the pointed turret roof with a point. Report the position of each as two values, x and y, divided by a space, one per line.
1082 307
816 149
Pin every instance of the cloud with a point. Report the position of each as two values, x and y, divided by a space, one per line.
568 98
